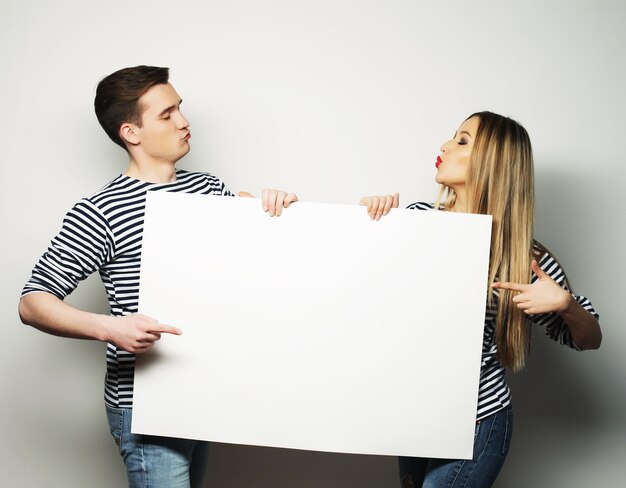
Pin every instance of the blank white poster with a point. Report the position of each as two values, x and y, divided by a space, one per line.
318 330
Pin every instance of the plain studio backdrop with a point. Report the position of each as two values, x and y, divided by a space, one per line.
333 100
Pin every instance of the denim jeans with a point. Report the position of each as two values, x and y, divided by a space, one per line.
492 438
157 462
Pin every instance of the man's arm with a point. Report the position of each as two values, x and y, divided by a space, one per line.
134 333
42 309
82 246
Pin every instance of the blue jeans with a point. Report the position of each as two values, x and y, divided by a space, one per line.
157 462
492 438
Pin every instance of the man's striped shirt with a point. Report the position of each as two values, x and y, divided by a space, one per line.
493 392
104 233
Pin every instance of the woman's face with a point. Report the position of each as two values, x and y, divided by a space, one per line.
453 162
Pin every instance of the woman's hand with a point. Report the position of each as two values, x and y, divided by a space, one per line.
378 206
543 296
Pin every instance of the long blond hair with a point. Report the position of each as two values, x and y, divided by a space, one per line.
500 183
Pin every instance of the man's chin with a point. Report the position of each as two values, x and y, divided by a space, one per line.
185 149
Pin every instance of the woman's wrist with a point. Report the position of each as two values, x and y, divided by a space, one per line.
567 304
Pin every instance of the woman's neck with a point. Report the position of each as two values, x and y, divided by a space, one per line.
460 203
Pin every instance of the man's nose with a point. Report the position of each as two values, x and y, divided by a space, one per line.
182 122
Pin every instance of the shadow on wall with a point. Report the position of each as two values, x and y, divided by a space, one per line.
263 467
566 218
556 376
564 408
557 392
563 417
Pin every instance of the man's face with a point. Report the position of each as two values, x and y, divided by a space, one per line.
164 135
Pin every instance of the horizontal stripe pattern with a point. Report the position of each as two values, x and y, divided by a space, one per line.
493 392
104 233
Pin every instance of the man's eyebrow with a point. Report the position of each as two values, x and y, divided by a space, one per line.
170 108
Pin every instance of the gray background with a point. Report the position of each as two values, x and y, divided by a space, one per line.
333 100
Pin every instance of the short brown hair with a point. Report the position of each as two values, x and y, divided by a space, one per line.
117 97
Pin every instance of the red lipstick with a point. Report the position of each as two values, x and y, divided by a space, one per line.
439 161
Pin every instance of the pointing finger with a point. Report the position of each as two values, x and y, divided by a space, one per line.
167 329
505 285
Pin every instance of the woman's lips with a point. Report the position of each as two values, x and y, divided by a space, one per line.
439 161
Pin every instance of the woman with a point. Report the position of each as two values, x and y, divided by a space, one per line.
487 168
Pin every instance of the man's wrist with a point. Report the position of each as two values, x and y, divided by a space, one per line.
103 329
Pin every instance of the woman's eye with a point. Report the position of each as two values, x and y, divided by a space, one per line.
462 142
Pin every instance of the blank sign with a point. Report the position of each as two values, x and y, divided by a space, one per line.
318 330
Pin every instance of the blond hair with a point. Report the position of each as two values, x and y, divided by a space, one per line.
500 183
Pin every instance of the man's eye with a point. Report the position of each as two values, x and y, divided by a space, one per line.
166 116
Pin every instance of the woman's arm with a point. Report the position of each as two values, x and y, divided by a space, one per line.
584 327
546 296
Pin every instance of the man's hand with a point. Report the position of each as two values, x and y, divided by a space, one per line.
377 206
134 333
137 333
273 200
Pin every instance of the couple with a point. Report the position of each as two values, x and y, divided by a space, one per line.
486 168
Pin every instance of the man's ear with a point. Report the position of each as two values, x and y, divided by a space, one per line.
128 133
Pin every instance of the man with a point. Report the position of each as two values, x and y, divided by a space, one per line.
140 111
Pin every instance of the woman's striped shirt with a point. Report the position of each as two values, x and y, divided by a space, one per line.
493 392
104 233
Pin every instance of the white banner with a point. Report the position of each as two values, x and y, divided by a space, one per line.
318 330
